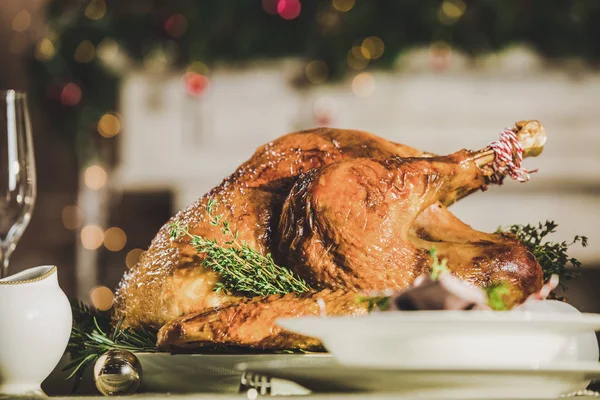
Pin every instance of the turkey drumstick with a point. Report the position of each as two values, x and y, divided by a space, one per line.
347 225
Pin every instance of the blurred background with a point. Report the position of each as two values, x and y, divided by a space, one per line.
140 107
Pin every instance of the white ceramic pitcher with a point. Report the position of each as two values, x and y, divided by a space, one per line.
35 325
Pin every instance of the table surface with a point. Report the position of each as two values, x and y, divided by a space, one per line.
344 396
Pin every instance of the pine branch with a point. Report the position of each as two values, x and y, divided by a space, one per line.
92 336
242 269
552 256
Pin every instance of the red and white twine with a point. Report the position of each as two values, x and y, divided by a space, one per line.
509 156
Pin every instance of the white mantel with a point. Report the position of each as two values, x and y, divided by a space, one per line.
173 141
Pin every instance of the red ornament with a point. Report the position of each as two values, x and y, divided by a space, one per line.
70 94
195 84
289 9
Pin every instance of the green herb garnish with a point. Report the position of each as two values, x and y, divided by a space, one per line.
92 336
437 267
381 303
552 256
496 294
242 269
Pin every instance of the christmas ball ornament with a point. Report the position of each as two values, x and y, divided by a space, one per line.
117 372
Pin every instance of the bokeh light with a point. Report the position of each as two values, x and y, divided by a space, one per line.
133 257
156 61
363 84
343 5
372 48
317 71
355 58
195 84
44 50
21 21
72 217
176 26
107 49
451 11
109 125
70 94
289 9
92 237
95 177
102 298
440 55
115 239
198 67
95 10
84 52
270 6
325 110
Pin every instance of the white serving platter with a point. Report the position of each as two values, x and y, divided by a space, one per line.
462 339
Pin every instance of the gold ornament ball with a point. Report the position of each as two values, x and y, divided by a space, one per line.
117 372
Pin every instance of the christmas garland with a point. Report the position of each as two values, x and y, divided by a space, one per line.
90 44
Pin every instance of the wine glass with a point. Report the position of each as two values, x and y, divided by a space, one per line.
17 173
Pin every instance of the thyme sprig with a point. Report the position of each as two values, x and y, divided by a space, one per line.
438 267
92 336
552 256
242 269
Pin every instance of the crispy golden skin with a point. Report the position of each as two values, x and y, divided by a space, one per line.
346 210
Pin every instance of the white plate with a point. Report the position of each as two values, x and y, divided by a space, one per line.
327 376
443 338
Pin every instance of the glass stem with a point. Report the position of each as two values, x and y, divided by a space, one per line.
4 256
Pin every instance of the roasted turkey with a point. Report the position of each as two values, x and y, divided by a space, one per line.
347 211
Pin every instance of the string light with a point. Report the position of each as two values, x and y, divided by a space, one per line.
72 217
84 52
44 50
21 21
198 67
70 94
156 61
195 84
95 10
451 11
102 298
92 237
440 55
133 257
363 84
115 239
109 125
94 177
317 71
343 5
107 49
372 48
176 25
289 9
355 58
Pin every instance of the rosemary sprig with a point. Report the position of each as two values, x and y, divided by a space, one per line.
552 256
92 336
242 269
